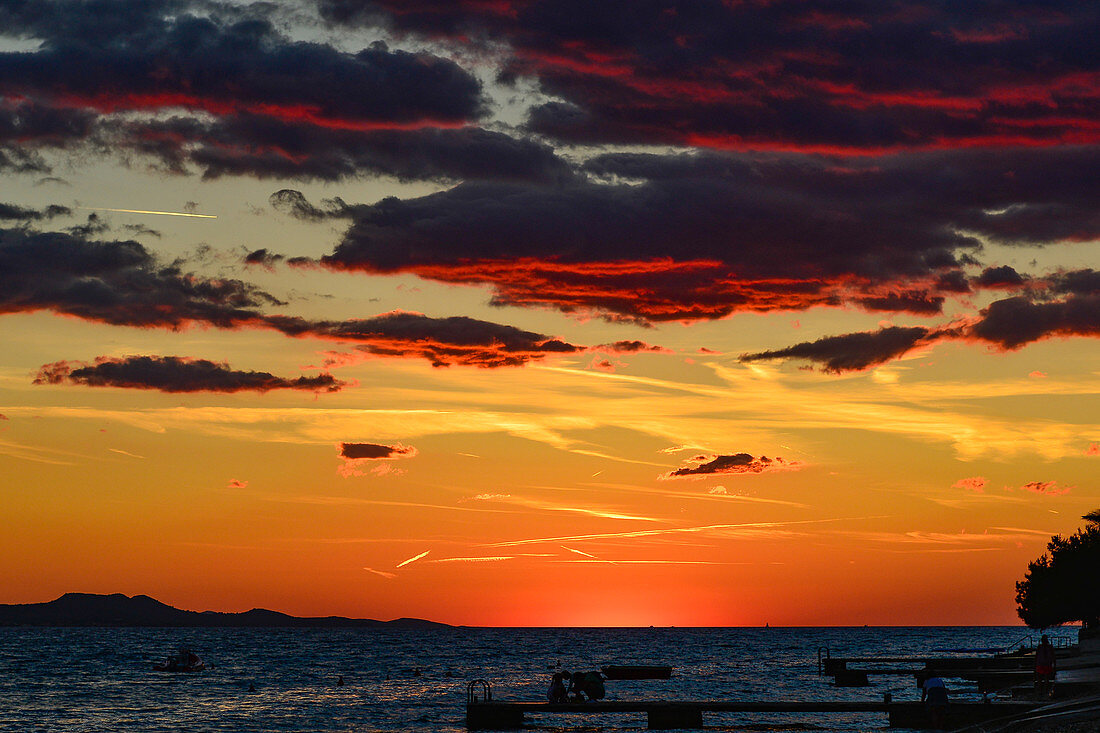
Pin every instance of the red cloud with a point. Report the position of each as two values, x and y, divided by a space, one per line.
603 365
1046 488
974 483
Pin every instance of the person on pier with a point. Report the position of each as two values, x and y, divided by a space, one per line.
557 691
1046 664
933 693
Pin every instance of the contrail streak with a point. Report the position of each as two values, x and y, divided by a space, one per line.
383 573
594 558
580 553
142 211
413 559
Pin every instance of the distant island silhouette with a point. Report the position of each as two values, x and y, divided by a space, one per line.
116 609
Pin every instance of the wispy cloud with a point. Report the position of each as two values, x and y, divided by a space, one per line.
993 538
1021 530
34 453
668 562
754 529
319 500
781 403
718 493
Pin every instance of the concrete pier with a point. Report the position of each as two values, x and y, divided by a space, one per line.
665 715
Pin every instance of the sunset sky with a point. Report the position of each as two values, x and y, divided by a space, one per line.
547 312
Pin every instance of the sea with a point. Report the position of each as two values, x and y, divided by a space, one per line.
280 680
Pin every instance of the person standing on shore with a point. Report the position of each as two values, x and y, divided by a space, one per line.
933 693
1046 664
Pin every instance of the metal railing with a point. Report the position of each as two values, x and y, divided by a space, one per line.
1027 642
472 690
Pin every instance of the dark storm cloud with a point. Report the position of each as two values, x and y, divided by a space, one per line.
153 60
1068 307
374 451
1015 322
121 283
58 20
786 74
176 374
257 103
456 340
705 235
703 466
1075 282
999 277
851 351
24 121
26 127
264 147
115 282
13 212
263 257
629 347
292 202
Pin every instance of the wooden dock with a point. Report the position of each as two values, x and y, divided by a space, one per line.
666 715
992 673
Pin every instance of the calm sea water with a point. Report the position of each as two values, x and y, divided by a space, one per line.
102 679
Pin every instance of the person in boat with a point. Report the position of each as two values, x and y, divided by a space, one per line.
557 691
184 660
933 693
187 660
1046 664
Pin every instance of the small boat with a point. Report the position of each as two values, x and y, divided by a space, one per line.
184 661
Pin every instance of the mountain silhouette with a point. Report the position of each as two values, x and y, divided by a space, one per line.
116 609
